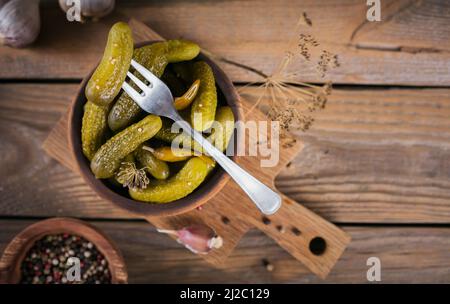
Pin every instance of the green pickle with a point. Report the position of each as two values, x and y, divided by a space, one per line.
94 128
166 134
204 106
224 117
133 127
157 168
155 58
108 77
108 158
182 184
221 135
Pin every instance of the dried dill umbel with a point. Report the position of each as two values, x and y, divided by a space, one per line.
287 100
304 44
327 60
132 177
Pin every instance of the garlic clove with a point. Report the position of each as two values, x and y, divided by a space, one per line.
200 239
94 9
20 22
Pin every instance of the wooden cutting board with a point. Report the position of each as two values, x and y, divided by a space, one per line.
309 238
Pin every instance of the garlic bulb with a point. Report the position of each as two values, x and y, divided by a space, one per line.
94 9
20 22
2 2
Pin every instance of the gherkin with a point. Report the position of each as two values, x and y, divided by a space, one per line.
182 184
204 106
155 58
224 117
157 168
107 159
109 75
94 128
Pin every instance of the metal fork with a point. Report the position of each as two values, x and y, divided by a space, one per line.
157 99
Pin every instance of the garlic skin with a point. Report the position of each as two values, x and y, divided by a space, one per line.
94 9
20 22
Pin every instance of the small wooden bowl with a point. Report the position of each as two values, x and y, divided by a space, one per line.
200 196
16 250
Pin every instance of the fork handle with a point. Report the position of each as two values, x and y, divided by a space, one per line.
267 200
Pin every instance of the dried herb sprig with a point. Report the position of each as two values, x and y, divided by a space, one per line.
290 101
132 177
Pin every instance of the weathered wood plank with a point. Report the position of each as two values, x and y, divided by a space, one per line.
407 254
372 156
409 47
379 155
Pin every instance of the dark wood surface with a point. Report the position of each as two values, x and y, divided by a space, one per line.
412 42
408 254
376 161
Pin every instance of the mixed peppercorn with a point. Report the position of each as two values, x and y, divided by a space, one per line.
47 261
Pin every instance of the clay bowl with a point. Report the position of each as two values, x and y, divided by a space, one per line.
201 195
17 249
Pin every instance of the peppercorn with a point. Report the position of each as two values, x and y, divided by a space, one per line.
46 261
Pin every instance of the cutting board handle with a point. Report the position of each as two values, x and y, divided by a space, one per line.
309 238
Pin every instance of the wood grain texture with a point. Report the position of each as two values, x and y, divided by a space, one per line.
372 156
407 254
409 47
381 155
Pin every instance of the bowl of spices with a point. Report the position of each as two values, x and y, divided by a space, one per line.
62 251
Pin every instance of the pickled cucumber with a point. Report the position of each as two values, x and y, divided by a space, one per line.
224 117
183 183
170 154
204 106
107 79
94 128
182 139
129 158
165 133
157 168
107 159
154 57
223 128
211 163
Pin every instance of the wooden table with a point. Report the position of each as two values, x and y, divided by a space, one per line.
376 161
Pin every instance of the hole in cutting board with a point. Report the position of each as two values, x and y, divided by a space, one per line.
317 245
266 221
296 231
225 220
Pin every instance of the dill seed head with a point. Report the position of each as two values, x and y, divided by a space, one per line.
327 60
306 19
289 101
304 44
132 177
